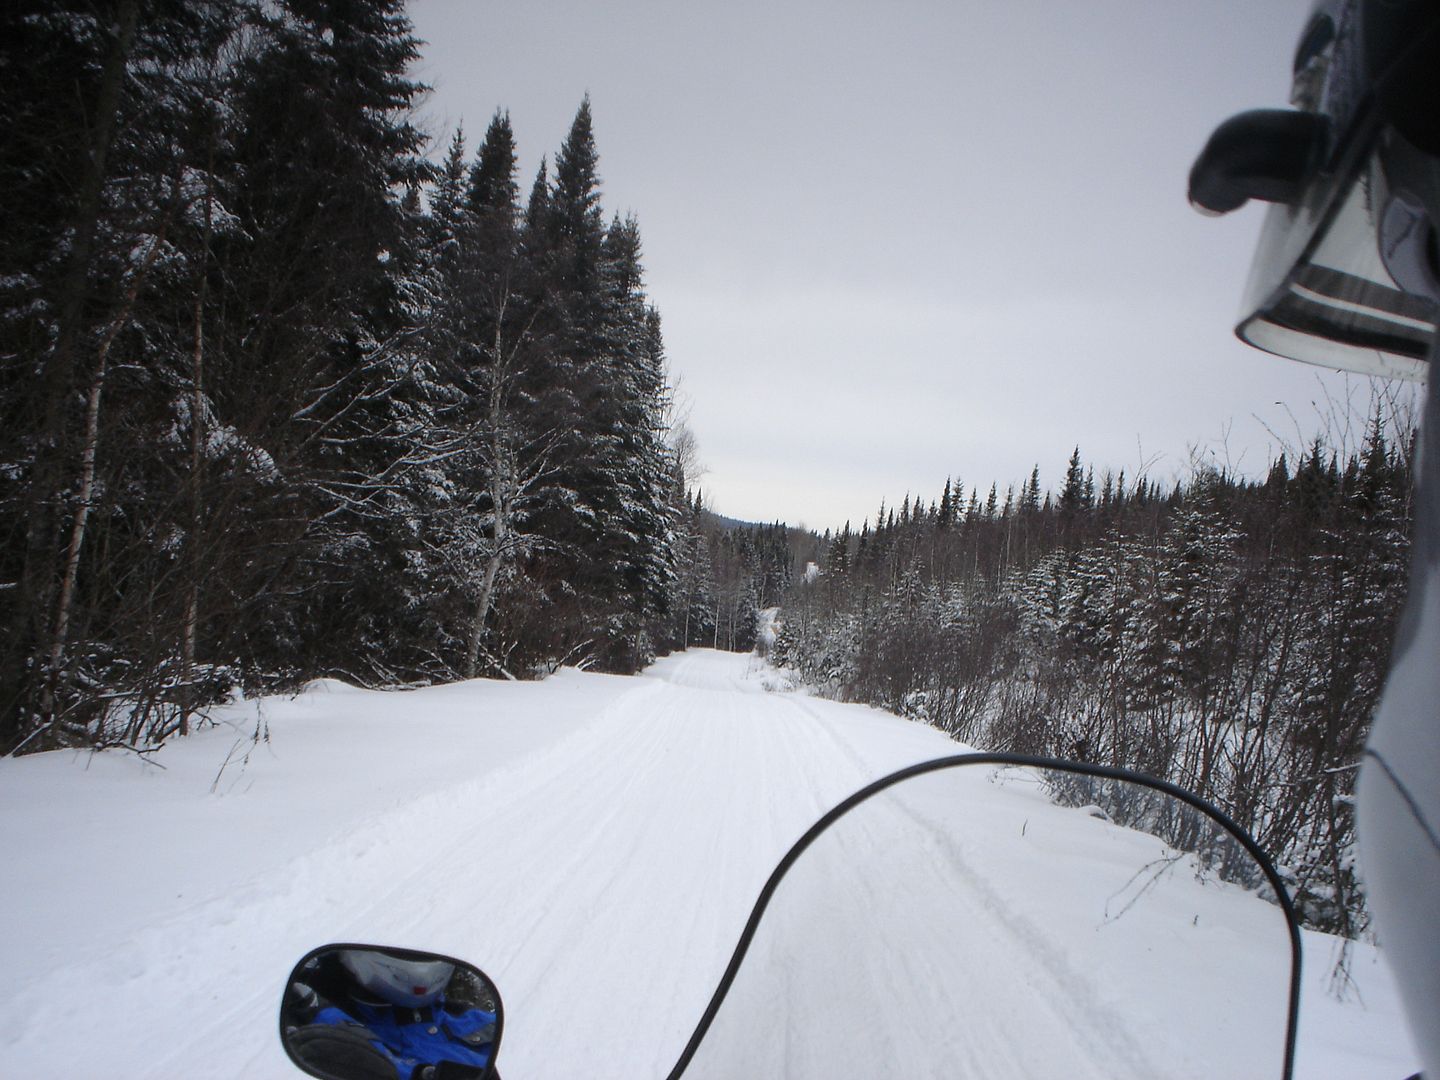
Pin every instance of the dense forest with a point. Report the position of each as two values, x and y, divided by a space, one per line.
282 398
1228 635
282 395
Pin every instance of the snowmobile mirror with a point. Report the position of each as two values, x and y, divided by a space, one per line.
362 1012
1265 154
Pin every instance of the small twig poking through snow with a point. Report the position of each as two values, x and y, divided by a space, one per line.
28 738
138 751
225 764
1341 985
1001 775
261 734
1156 868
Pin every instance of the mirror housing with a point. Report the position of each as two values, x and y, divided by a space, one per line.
366 1012
1265 154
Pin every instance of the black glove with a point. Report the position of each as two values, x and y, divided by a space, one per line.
341 1052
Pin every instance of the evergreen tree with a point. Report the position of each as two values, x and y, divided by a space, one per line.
370 421
1072 497
575 205
331 342
537 207
107 146
1030 494
493 189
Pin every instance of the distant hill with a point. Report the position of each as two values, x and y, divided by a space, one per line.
720 521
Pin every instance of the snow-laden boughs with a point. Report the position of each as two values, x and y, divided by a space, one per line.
281 399
1229 636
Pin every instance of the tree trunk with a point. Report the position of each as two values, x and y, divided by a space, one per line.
504 484
61 628
86 493
189 631
37 585
484 600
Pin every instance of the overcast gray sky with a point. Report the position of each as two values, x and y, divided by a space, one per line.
895 242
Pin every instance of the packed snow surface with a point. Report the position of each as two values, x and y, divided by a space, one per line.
595 844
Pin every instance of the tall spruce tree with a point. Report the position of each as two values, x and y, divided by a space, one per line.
316 365
280 399
492 178
107 150
607 508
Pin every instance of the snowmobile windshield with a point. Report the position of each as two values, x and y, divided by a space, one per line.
1330 282
979 919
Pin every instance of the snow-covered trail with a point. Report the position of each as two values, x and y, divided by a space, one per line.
592 865
594 843
609 920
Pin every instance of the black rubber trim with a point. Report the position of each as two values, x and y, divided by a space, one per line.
1351 288
1316 39
1307 316
491 1072
1023 761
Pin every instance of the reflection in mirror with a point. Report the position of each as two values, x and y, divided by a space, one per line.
991 921
360 1012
